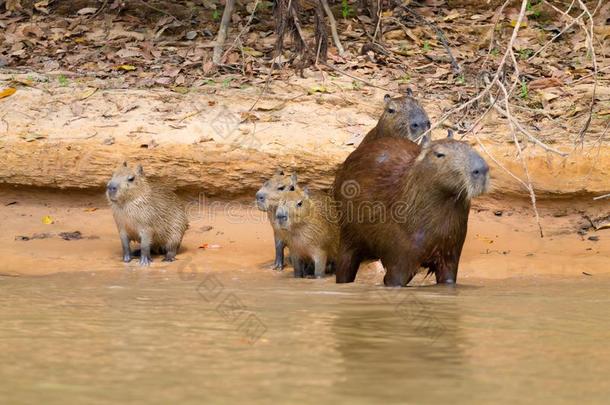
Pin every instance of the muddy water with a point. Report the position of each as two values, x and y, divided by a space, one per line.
228 337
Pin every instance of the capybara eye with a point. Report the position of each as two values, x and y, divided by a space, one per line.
300 204
281 188
291 188
391 110
439 154
414 125
131 178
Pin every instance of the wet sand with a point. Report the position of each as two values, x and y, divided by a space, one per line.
497 246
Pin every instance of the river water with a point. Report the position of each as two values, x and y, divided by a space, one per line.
234 337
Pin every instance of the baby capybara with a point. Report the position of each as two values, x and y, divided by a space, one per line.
310 221
267 199
146 212
402 117
407 206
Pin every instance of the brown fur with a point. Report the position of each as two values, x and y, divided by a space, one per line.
408 206
146 212
267 199
402 117
312 229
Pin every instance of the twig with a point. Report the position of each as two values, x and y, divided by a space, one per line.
333 27
222 31
99 10
354 77
530 187
246 27
160 11
590 36
601 197
441 37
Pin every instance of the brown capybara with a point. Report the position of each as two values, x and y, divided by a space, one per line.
402 117
408 206
310 221
267 199
146 212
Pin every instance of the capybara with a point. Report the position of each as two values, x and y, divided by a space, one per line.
267 199
312 229
408 206
402 117
146 212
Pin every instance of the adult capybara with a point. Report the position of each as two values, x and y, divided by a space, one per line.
408 206
312 230
267 199
146 212
402 117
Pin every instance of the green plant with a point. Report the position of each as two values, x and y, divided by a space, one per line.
356 85
524 90
226 82
346 9
404 79
427 46
63 80
525 53
460 79
216 15
495 52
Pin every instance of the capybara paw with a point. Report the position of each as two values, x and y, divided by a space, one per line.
145 261
169 259
278 266
126 258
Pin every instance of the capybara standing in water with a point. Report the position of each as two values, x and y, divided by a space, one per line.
408 206
310 221
267 199
402 117
147 213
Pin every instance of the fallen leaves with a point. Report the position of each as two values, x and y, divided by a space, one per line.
9 91
47 220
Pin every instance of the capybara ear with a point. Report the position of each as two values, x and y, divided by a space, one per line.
387 98
279 171
450 133
409 92
293 179
140 170
425 141
306 191
124 163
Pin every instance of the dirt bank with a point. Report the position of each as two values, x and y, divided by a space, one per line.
502 240
214 140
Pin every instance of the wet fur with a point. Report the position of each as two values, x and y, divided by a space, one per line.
398 116
435 198
147 209
312 230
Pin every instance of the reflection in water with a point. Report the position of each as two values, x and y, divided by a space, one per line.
148 336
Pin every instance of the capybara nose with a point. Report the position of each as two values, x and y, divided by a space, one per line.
112 188
281 215
480 168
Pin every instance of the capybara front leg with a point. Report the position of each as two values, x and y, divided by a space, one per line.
279 254
320 264
298 265
170 253
125 245
145 244
347 265
398 274
445 271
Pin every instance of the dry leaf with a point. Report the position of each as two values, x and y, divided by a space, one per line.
125 67
88 93
9 91
47 220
